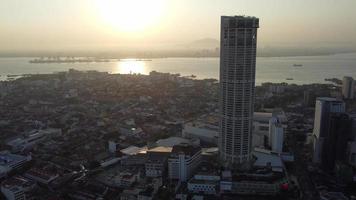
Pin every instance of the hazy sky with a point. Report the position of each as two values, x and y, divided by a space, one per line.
111 24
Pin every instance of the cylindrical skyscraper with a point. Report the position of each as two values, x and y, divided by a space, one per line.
237 87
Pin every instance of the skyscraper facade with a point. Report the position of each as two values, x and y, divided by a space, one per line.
237 86
336 140
348 87
324 107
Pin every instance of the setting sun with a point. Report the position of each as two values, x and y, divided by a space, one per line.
131 66
130 15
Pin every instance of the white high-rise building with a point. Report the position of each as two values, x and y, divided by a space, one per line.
237 87
183 161
276 136
348 87
324 106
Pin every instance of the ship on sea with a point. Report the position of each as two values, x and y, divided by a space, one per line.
297 65
289 79
57 59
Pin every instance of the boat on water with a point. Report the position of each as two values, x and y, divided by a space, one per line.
289 79
297 65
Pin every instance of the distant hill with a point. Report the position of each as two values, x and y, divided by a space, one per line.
205 47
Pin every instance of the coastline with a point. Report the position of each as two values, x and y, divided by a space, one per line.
173 55
315 69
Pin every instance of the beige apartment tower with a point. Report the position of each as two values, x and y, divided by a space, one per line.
237 87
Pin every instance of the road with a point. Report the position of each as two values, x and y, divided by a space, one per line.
300 168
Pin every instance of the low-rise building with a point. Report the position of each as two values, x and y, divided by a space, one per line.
205 132
130 194
266 177
205 181
127 179
9 162
333 196
156 162
267 158
133 155
113 146
42 176
258 182
31 139
146 194
183 161
91 191
262 127
172 141
17 188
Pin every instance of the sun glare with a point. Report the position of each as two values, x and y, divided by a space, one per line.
131 66
130 15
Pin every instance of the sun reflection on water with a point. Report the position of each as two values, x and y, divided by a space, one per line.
131 66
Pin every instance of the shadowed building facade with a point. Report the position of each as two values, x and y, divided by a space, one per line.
336 139
237 87
324 108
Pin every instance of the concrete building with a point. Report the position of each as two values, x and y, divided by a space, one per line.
266 158
351 147
113 146
263 182
348 87
147 194
266 176
261 122
28 141
335 141
17 188
205 181
127 179
172 141
352 153
204 132
42 176
260 128
333 196
155 167
9 162
133 155
183 161
277 138
237 86
324 107
130 194
205 186
261 131
156 162
276 135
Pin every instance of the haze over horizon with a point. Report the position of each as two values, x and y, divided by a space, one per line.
113 25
